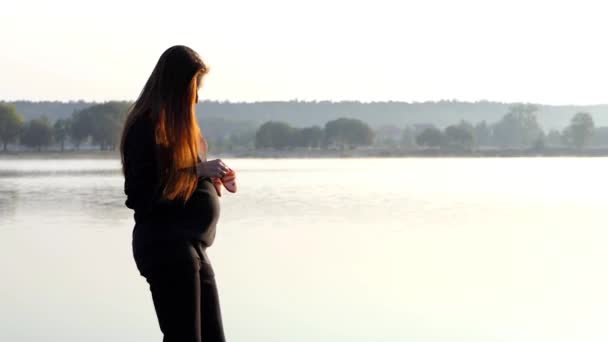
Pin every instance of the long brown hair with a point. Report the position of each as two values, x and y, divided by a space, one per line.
168 99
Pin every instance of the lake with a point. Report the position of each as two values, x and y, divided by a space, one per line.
328 250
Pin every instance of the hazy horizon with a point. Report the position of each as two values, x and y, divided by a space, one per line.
202 101
412 51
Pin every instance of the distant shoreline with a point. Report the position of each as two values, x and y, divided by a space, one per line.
320 154
60 155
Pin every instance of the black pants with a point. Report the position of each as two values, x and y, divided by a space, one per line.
183 287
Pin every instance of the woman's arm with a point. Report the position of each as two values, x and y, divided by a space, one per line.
141 174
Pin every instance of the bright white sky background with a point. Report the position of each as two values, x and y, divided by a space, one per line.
553 52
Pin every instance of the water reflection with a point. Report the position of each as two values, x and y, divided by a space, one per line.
58 173
62 189
451 250
8 203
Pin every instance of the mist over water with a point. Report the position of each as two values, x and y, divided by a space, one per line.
324 250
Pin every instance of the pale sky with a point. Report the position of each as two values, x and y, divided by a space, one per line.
553 52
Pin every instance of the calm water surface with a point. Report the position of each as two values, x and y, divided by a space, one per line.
324 250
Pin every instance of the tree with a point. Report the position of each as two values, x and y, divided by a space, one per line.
580 130
539 144
274 134
408 137
108 119
61 128
519 127
81 128
431 137
37 133
102 122
310 137
347 132
483 134
10 124
460 135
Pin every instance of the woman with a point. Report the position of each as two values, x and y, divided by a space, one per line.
168 185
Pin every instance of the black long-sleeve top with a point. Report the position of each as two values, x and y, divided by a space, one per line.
157 218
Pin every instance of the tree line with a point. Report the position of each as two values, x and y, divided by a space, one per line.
517 129
342 133
376 114
101 124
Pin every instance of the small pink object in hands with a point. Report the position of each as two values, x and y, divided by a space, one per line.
228 181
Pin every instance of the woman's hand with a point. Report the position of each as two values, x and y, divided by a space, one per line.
212 168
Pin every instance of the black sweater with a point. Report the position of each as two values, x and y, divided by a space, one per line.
157 218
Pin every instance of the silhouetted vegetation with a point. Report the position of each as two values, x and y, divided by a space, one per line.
375 114
99 126
37 133
518 128
102 123
460 136
61 130
274 134
10 124
579 133
348 133
430 137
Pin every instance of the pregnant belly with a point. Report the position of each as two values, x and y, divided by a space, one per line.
204 206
